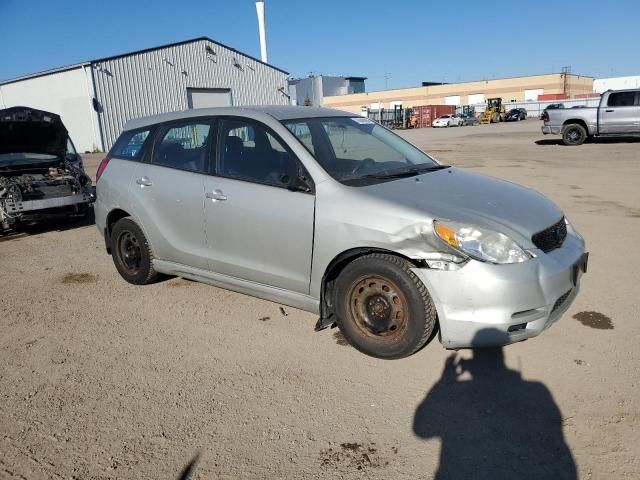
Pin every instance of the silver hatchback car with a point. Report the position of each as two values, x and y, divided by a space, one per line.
334 214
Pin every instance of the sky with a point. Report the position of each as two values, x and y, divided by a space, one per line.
393 43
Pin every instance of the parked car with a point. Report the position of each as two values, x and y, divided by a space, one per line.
551 106
469 120
334 214
617 114
515 115
41 174
447 121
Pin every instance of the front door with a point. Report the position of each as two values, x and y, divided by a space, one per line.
620 113
257 228
169 196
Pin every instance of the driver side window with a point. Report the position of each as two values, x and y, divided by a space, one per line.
249 152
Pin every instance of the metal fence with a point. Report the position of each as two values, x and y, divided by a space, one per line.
395 118
534 109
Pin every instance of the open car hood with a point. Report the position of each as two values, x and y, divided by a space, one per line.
27 130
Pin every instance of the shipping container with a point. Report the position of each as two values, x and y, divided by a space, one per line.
426 114
551 96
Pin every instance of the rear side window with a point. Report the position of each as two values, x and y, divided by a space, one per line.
130 144
184 146
622 99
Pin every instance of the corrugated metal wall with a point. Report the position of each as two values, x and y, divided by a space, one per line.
156 81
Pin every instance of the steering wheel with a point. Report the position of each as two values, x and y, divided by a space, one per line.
362 164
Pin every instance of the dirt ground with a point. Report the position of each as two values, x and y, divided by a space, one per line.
100 379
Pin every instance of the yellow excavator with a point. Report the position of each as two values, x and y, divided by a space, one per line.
494 112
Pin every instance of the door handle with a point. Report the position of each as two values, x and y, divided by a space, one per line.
144 182
216 196
609 111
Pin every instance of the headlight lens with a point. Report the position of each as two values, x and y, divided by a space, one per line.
480 243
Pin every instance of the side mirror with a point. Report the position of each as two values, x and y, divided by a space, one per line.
297 183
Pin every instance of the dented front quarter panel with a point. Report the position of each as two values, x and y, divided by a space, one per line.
349 218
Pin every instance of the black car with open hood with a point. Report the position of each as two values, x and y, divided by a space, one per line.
40 173
27 130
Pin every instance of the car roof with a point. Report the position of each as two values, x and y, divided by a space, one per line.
279 112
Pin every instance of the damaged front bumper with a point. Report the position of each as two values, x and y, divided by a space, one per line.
12 211
21 211
482 304
35 205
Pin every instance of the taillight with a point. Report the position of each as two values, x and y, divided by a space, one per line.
545 116
102 167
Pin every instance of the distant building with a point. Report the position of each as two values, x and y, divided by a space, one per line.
97 97
514 89
311 91
601 85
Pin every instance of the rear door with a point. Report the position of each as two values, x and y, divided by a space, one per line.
256 228
168 192
620 114
115 185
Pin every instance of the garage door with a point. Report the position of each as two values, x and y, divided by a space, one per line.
209 97
476 98
452 100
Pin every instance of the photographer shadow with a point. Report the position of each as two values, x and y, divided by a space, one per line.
494 425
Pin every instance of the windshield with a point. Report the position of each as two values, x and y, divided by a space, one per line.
7 159
358 151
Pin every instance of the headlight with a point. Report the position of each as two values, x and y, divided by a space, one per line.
480 243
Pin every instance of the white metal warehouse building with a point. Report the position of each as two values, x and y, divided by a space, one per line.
96 98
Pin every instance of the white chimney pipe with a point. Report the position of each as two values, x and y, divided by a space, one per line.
261 27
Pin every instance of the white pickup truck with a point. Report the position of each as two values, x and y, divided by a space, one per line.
617 114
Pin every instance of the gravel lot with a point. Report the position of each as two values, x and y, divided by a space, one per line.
100 379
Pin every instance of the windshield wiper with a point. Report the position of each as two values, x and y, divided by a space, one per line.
406 172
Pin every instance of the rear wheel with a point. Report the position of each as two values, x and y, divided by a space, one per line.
574 134
383 308
132 253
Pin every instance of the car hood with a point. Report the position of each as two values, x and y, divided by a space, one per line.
463 196
27 130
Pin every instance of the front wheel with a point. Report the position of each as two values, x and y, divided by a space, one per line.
383 308
574 134
132 253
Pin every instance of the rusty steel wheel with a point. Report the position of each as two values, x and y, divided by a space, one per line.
132 253
378 306
382 307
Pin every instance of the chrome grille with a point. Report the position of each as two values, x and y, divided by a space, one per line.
551 238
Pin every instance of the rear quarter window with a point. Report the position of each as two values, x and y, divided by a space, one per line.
130 144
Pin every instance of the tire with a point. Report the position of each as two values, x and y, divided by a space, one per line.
574 134
383 308
132 253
